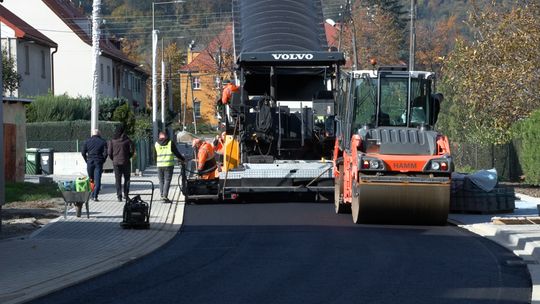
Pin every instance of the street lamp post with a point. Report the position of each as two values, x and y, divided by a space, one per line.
162 86
154 69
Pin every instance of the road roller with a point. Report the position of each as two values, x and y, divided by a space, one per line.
390 165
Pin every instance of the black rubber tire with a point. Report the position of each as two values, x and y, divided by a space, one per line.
355 203
340 206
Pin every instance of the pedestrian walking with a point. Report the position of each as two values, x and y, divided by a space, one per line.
165 152
121 149
94 153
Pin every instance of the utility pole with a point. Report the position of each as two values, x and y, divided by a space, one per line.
154 80
162 86
2 160
412 49
188 77
355 54
154 69
95 62
193 104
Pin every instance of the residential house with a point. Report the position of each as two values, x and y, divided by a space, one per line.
202 76
61 21
31 51
205 70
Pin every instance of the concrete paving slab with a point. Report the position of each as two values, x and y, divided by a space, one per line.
522 240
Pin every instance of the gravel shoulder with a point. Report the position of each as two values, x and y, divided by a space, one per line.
20 219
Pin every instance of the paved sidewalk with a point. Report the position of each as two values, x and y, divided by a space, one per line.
522 240
68 251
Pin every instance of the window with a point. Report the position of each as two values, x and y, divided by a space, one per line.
108 75
130 81
27 59
125 79
113 79
101 72
196 83
217 81
42 64
197 108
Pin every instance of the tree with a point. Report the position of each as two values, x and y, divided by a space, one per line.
124 114
10 77
377 36
492 82
434 40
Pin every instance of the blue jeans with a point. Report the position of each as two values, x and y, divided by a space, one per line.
95 169
165 176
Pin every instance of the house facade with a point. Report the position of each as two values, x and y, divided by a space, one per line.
30 50
61 21
202 77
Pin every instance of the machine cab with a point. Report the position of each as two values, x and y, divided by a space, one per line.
393 97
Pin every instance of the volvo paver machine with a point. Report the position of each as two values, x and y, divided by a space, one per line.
390 164
280 123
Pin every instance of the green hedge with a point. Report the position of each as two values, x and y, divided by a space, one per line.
67 130
529 133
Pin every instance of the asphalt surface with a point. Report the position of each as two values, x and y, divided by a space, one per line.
303 253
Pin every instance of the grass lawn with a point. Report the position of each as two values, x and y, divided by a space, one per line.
16 192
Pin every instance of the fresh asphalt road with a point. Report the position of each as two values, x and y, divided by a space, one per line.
304 253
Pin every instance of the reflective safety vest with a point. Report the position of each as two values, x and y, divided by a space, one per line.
165 157
206 160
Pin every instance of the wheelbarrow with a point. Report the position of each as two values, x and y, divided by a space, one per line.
78 199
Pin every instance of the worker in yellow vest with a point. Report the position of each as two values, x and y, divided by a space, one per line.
165 152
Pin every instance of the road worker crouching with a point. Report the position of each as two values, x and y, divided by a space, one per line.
206 161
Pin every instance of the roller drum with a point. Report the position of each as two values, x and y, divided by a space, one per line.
401 203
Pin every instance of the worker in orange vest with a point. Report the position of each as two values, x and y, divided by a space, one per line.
219 148
206 162
228 90
219 143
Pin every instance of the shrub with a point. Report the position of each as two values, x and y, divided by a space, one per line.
67 130
64 108
529 133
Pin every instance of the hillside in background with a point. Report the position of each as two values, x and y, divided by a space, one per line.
197 22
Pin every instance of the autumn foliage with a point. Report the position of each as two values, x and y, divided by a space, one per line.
493 81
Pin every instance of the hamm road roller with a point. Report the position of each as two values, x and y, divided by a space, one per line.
390 164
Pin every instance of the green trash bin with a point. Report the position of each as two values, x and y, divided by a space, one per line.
33 162
46 157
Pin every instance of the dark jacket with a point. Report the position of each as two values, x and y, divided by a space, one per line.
173 148
95 149
121 150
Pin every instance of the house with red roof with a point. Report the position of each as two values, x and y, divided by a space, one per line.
202 77
71 60
30 50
